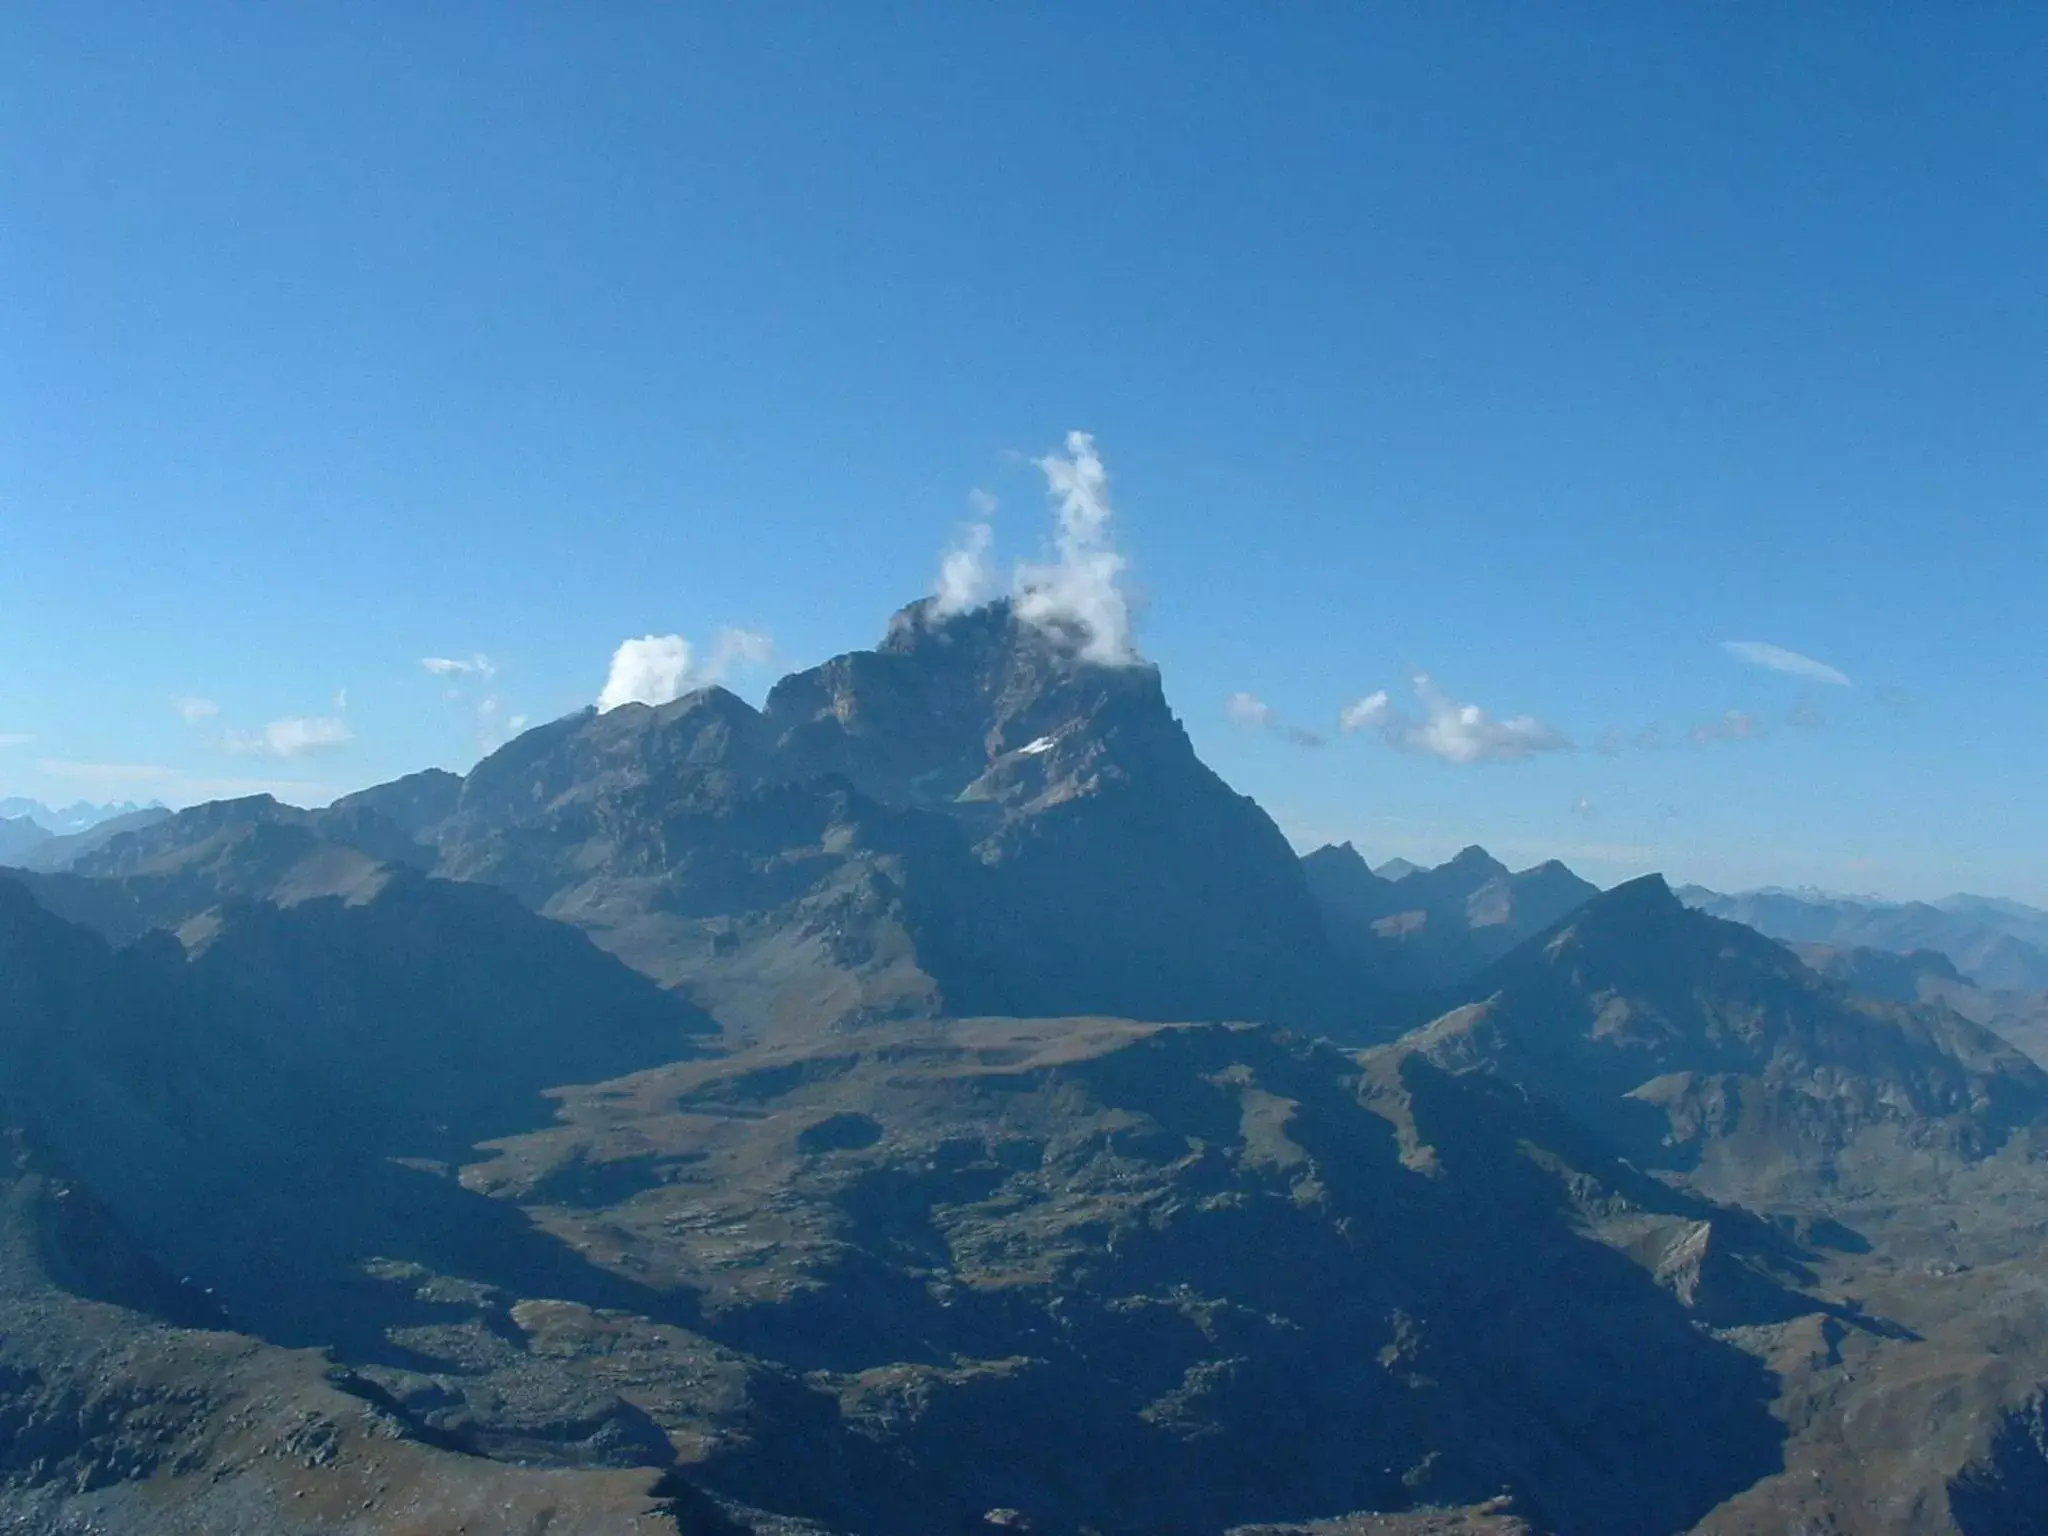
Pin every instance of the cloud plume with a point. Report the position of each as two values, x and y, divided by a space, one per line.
1078 593
1455 732
657 669
967 579
1758 653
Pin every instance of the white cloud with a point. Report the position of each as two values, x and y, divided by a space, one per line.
1760 654
1077 594
193 710
292 736
475 665
15 738
966 577
1736 725
1368 713
1248 711
656 669
1455 732
649 670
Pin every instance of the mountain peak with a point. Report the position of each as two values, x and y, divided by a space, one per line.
1474 857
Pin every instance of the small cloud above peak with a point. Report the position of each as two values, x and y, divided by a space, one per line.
658 669
649 670
966 577
1776 658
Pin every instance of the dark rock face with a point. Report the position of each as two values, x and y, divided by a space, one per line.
966 819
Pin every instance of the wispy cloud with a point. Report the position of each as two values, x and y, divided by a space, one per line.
15 738
1453 731
476 665
1807 714
292 736
967 577
1735 725
1759 653
194 710
476 670
1248 712
1078 593
657 669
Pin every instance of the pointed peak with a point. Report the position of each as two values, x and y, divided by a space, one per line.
716 699
923 623
1337 854
1474 857
1644 895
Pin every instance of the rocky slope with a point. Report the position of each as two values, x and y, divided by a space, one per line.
1698 1044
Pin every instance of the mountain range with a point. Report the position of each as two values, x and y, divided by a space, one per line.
934 1101
1997 943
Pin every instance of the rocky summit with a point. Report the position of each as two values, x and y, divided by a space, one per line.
934 1101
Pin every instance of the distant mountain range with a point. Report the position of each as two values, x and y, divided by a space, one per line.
76 817
1999 944
1432 928
934 1102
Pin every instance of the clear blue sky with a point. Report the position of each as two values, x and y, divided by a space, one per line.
1541 348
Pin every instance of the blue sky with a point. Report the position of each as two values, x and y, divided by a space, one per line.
1541 350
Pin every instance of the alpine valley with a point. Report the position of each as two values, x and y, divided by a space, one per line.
934 1101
